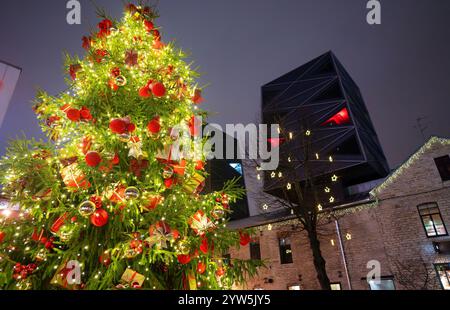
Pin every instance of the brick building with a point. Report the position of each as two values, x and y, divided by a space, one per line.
402 224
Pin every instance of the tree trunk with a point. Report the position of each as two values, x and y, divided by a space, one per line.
319 261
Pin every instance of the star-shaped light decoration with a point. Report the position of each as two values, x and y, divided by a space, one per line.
331 199
308 132
334 178
289 186
327 189
272 175
319 207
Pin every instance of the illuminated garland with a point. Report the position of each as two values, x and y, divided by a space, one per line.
408 163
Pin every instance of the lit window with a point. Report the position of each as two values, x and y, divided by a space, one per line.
432 220
295 287
340 118
285 251
443 272
443 165
382 285
336 286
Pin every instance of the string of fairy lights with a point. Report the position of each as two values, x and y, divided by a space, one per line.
289 184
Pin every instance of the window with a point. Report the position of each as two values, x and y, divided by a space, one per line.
443 165
255 250
432 220
237 167
295 287
336 286
386 284
285 251
443 272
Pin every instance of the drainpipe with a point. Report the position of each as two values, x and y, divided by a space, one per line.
341 245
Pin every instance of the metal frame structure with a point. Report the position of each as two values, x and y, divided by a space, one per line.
322 97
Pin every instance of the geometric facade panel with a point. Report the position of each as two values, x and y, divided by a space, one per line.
321 96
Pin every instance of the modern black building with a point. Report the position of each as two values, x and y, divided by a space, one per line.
223 170
321 99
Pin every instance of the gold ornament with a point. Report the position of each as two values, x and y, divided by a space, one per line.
86 208
131 193
41 255
167 172
131 253
65 233
121 80
218 212
24 285
125 137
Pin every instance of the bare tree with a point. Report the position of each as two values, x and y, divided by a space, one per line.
414 274
302 193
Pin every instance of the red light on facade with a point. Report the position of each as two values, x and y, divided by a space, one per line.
340 118
276 142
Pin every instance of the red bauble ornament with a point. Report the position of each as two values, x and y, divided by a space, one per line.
73 115
168 183
93 159
158 89
85 114
149 25
118 126
131 127
116 159
2 236
154 125
49 245
201 267
99 218
145 92
184 259
105 259
244 238
200 165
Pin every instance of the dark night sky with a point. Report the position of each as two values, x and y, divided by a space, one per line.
401 66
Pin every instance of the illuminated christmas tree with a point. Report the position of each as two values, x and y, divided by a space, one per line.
117 189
